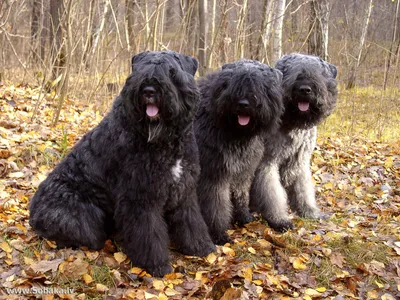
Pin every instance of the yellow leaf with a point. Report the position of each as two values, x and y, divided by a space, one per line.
171 292
21 227
380 285
136 270
311 292
321 289
247 274
158 284
28 260
258 282
252 250
228 251
87 278
51 244
162 297
92 255
101 287
298 264
5 247
120 257
328 185
211 258
149 296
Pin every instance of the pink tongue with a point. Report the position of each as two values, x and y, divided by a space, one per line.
303 106
151 110
243 120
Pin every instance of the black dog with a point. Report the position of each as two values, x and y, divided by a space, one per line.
310 91
137 171
240 105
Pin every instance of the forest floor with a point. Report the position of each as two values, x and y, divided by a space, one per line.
353 254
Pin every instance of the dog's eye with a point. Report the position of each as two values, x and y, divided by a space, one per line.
172 72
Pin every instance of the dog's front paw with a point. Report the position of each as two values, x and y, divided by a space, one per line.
311 213
243 218
159 271
221 239
281 225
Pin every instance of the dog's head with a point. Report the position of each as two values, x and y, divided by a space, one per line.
161 93
310 89
245 97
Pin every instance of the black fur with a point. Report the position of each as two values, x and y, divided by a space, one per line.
245 91
136 172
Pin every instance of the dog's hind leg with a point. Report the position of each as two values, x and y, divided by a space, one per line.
62 215
187 228
268 197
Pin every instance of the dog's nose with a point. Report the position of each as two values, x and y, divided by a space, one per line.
149 91
305 89
244 103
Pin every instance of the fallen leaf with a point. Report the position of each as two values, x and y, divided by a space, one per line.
120 257
75 269
211 258
46 265
228 251
87 278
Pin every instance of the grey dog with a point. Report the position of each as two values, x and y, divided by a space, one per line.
135 173
284 175
240 104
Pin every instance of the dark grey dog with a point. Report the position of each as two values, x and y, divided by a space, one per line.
240 104
135 172
284 175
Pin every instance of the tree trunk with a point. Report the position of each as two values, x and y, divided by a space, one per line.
35 28
351 82
392 45
213 34
278 26
202 53
319 20
240 31
130 24
265 31
104 16
89 35
57 53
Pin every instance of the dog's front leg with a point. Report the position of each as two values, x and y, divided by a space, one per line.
145 235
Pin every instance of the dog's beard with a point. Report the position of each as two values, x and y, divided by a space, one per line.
154 131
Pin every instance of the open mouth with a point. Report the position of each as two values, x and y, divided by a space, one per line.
303 106
151 110
243 120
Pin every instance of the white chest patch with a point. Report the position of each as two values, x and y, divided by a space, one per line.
177 170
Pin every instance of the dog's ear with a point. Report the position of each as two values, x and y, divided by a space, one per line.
138 57
281 64
229 66
333 70
189 64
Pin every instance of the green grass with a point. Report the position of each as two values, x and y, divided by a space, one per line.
365 111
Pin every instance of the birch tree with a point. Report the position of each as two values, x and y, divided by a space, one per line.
319 28
353 73
279 10
203 28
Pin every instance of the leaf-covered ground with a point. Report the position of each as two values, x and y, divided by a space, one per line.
354 253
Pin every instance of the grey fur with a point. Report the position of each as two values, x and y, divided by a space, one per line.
284 175
230 152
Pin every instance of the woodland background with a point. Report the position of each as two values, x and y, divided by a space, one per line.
83 48
62 62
